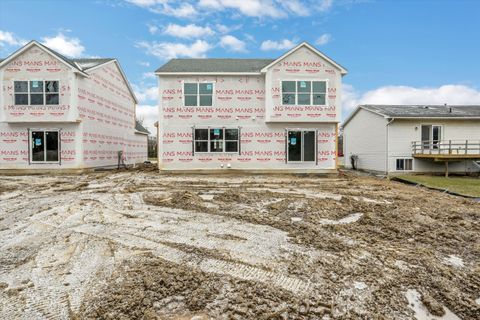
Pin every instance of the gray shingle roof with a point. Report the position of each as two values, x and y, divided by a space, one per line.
214 65
140 128
425 111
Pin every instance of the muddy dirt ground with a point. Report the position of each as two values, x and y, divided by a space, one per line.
140 245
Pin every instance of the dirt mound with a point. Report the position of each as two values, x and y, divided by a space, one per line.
232 196
186 200
152 288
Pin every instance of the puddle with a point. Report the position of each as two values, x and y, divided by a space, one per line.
348 219
454 261
421 312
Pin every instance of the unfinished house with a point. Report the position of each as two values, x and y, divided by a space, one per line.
250 114
60 113
413 138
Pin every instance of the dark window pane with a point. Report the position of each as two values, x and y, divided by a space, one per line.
309 146
318 99
231 146
288 86
206 88
231 134
190 101
36 86
52 145
304 86
51 86
303 99
205 100
36 99
216 133
399 164
320 86
288 98
190 88
294 145
201 134
201 146
37 146
52 98
21 99
20 86
216 146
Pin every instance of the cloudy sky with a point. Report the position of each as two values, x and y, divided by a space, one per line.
396 51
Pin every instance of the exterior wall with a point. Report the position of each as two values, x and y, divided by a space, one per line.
366 136
95 115
36 64
238 101
107 113
16 121
403 132
303 64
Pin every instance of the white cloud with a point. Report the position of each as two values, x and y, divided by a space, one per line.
146 94
152 29
188 31
325 5
148 115
450 94
323 39
233 44
148 75
170 50
251 8
70 47
146 3
186 10
284 44
297 7
10 39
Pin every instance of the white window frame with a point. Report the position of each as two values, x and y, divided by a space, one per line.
311 91
302 149
404 160
224 140
432 125
28 92
30 151
198 92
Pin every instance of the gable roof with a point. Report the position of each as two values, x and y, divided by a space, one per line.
140 128
80 65
232 66
214 66
343 71
420 111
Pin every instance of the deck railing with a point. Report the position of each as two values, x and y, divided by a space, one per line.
446 147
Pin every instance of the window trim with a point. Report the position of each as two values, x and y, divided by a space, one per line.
302 151
224 140
198 92
44 130
404 161
28 93
311 91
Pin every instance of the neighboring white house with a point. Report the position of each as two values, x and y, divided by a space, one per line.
60 113
250 114
413 138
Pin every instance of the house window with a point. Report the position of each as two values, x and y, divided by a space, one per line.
36 92
431 136
44 146
198 94
404 164
304 92
224 140
301 145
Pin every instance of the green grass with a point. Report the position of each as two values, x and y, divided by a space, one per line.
463 185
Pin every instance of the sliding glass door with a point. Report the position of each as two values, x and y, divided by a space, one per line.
44 146
301 145
431 136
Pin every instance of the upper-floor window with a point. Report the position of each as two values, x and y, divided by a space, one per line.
216 140
198 94
304 92
36 92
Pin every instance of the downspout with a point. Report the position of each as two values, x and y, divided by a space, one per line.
386 146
